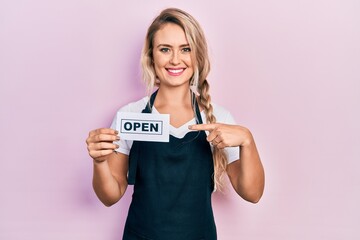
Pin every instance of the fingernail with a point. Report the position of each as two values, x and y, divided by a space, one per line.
190 126
117 138
116 132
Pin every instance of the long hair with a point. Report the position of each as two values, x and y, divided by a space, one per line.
199 53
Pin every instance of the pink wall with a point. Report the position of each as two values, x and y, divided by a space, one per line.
288 70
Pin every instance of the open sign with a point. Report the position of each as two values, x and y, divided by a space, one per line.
143 126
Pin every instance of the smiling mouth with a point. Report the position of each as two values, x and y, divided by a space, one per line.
175 71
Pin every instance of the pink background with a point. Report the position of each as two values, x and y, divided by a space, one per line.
288 70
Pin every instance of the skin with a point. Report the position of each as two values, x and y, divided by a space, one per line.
247 173
172 53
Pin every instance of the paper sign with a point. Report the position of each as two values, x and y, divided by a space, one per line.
143 126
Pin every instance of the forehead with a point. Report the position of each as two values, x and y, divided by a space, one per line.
171 34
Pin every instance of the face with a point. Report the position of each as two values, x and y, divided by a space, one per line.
172 56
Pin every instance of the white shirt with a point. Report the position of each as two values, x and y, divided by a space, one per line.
221 114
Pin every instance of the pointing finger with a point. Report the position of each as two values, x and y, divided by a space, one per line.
205 127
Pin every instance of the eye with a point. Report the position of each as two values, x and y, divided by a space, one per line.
164 50
187 49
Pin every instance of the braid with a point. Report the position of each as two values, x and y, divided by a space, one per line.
219 156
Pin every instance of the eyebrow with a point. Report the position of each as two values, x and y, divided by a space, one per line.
168 45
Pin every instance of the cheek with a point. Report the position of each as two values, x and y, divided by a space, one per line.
156 63
188 61
160 60
158 67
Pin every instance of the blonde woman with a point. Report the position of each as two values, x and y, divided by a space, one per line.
173 181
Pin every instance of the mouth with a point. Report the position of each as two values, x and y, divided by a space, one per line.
175 71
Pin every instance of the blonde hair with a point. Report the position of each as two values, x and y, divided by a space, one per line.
199 52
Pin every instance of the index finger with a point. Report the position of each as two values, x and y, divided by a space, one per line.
204 126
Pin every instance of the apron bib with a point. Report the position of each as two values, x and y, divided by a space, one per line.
172 188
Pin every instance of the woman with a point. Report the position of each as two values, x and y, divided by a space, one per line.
173 181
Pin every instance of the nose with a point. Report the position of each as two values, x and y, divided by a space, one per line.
175 58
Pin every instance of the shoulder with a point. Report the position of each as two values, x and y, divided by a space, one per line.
222 114
136 106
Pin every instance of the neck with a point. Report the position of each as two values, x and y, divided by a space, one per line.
173 96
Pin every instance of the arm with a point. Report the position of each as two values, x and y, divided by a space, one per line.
110 168
246 174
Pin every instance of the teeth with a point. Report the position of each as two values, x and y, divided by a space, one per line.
175 70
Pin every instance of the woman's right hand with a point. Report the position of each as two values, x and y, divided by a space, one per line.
100 143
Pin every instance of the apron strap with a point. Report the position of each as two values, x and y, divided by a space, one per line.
150 104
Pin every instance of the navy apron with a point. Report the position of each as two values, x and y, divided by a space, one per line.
172 188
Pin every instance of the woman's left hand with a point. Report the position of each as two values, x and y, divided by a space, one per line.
225 135
247 176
